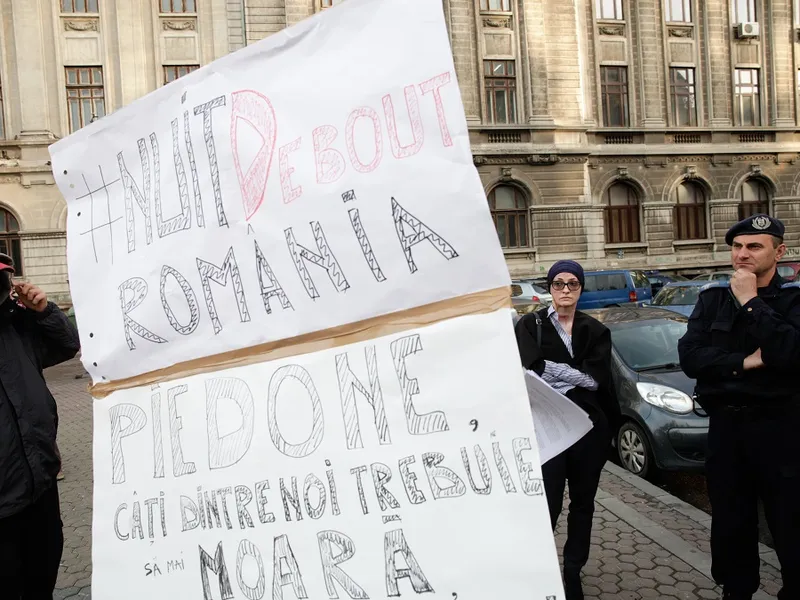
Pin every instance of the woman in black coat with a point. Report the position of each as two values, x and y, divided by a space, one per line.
571 351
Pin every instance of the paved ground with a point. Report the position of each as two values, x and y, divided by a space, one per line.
646 543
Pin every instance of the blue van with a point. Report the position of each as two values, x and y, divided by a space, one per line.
614 288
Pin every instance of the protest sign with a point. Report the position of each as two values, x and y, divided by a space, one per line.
396 466
293 304
322 176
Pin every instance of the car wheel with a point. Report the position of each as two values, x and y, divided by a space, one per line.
633 449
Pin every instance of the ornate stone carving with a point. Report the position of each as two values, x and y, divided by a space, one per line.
478 160
497 22
611 30
9 179
622 173
83 25
506 173
691 173
756 169
691 159
681 32
542 159
178 25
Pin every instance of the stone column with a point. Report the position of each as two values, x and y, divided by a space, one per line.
659 228
781 74
718 30
646 21
534 51
463 43
32 24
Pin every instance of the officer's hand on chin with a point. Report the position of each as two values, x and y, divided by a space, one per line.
753 361
744 286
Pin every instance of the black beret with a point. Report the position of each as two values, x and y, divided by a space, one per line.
755 225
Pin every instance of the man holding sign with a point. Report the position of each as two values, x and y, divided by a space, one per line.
34 335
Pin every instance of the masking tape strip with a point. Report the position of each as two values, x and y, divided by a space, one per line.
472 304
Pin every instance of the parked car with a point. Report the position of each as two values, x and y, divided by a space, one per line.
714 276
663 426
659 280
614 288
789 271
680 297
525 294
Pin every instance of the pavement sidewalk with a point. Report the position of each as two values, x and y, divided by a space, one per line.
646 543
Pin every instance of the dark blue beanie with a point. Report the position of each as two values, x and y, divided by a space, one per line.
565 266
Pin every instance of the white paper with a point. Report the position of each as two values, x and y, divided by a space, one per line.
458 398
559 422
280 215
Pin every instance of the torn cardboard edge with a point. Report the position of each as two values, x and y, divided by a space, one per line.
420 316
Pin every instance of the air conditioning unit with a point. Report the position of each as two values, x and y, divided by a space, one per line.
748 30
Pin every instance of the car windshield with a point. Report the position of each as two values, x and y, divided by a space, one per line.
648 344
679 295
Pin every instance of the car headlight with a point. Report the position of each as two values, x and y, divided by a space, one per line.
665 397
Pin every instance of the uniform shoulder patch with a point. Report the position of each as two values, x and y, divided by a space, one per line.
715 285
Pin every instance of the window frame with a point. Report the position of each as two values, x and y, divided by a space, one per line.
686 11
618 11
520 214
73 11
690 219
492 82
754 97
11 240
172 4
506 6
751 11
79 97
747 208
191 68
623 93
675 88
614 216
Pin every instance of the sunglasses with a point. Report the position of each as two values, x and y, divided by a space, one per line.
573 285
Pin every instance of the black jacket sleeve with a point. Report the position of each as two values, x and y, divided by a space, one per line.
778 334
529 350
598 364
699 358
55 338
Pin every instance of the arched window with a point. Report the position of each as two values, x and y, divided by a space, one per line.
622 214
753 198
690 212
9 239
510 214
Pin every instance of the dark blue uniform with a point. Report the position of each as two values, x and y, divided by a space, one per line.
754 433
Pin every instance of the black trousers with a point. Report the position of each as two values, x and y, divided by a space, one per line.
754 455
31 543
580 465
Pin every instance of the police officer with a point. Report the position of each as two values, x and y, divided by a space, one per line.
743 348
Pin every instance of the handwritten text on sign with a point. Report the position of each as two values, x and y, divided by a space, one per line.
299 184
358 471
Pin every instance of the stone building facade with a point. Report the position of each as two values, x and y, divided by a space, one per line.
623 133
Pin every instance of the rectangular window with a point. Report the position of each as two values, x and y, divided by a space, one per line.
173 72
744 11
678 11
609 10
496 5
614 83
178 6
85 96
748 104
501 91
79 6
329 3
684 97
